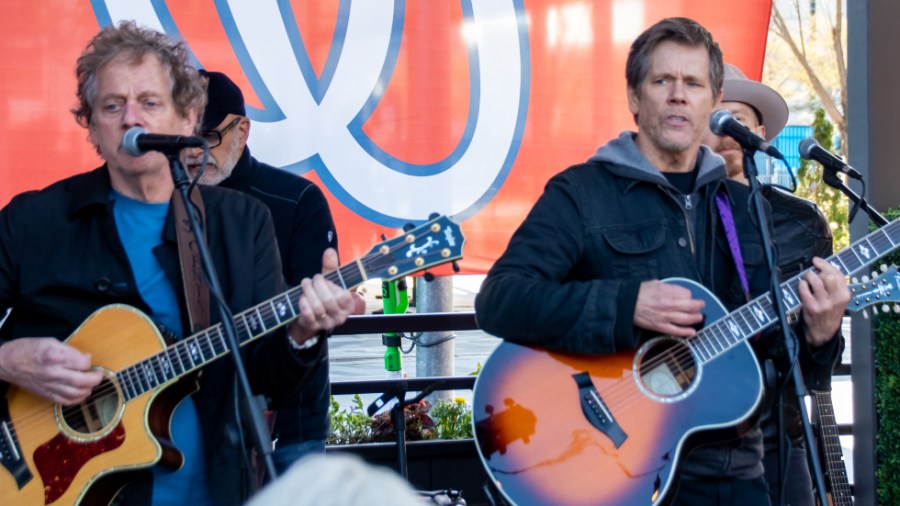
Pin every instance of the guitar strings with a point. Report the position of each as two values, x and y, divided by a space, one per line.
707 339
716 337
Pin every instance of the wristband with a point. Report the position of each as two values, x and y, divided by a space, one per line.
309 343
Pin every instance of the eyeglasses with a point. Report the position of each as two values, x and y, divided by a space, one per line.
214 137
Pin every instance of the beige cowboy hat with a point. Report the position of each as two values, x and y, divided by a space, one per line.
772 108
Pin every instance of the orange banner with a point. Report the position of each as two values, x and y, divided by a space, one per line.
396 108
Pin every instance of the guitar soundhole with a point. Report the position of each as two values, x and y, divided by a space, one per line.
97 415
665 368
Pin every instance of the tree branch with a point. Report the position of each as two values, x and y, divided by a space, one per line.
834 114
838 43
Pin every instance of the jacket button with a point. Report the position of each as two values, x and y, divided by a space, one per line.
103 284
682 242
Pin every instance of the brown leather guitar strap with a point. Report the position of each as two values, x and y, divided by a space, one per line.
196 292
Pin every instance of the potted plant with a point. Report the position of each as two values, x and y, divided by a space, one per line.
440 450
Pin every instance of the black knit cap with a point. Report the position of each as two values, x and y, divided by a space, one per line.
224 98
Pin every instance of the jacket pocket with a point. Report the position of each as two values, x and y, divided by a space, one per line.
636 250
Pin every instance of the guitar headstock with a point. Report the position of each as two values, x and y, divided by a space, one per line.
436 242
879 290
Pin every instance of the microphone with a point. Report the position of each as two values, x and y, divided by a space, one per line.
723 123
811 150
137 142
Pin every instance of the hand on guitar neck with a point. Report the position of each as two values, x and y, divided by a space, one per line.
824 296
323 305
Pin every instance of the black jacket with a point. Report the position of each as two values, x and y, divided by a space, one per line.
572 270
304 229
571 273
61 259
570 277
801 232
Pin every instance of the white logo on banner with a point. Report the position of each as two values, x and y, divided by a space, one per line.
315 122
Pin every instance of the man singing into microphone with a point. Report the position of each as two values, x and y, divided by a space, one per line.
801 232
582 273
108 237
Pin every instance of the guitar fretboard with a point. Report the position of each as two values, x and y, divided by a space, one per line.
760 313
203 347
831 448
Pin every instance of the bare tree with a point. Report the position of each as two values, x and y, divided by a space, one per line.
796 32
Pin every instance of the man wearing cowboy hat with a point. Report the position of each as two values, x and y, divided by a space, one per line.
800 233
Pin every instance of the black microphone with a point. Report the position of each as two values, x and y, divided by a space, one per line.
137 142
811 150
723 123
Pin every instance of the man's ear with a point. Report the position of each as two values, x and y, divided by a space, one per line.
761 131
634 100
717 100
92 140
243 131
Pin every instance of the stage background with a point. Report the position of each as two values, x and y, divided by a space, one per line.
438 130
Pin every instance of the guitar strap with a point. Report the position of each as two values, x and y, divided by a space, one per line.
195 291
731 233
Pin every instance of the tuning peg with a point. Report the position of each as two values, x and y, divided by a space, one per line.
885 308
865 314
408 227
455 266
433 216
874 274
429 277
884 267
897 308
865 278
854 280
874 310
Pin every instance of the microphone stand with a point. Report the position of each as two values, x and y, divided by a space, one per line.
829 176
251 405
790 339
398 415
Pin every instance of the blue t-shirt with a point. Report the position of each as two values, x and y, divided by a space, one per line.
140 226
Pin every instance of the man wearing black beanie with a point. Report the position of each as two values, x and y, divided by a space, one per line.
304 229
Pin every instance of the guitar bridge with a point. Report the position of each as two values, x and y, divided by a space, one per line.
11 453
596 411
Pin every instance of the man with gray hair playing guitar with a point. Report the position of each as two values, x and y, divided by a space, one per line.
107 239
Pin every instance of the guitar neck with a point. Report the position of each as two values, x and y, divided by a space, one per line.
435 242
195 351
831 450
760 313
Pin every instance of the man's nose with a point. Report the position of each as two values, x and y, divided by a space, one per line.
132 116
193 152
677 91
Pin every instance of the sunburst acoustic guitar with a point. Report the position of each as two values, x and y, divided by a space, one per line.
569 429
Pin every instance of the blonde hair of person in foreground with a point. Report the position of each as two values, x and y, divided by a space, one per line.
336 480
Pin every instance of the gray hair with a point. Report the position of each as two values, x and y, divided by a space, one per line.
188 89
